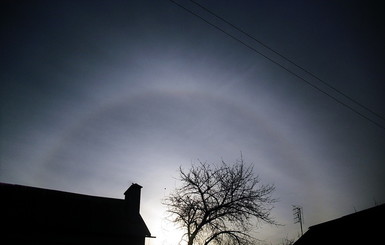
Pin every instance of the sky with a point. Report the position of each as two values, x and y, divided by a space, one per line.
96 95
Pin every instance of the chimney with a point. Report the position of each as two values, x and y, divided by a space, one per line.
132 197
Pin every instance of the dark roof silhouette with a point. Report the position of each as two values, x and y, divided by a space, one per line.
362 227
30 210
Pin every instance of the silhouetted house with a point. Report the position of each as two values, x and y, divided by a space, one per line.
32 215
364 227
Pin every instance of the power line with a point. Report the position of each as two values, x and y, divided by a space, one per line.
280 65
288 60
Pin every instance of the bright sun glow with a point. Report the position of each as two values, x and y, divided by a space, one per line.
166 234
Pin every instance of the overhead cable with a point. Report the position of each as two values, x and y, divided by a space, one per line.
288 60
285 68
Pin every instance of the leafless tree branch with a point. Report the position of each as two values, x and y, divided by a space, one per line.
217 204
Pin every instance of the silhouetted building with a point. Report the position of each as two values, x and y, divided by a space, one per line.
32 215
364 227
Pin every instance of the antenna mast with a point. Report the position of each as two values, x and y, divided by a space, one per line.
298 216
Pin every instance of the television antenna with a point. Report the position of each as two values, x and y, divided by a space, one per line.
298 216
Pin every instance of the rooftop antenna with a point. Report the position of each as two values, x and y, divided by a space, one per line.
298 216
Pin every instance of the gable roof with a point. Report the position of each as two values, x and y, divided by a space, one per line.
356 228
28 209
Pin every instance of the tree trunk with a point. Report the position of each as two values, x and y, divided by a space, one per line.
190 240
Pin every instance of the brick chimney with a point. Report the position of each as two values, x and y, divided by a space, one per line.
132 197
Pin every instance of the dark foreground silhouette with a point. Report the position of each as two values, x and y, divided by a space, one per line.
32 215
364 227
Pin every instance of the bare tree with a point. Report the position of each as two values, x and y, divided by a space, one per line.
218 204
287 241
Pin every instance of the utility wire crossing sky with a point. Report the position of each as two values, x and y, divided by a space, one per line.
350 107
96 95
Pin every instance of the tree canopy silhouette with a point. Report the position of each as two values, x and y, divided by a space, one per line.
218 204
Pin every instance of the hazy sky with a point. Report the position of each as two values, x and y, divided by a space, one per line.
96 95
